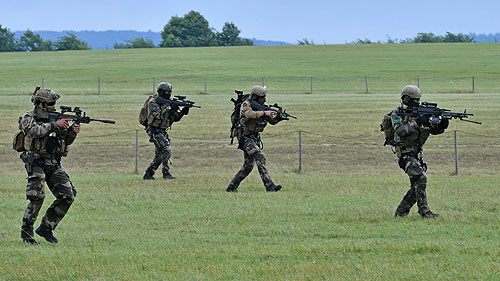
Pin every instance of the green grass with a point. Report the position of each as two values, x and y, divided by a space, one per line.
336 68
333 221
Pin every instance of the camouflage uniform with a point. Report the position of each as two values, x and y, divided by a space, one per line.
250 142
160 118
410 138
45 143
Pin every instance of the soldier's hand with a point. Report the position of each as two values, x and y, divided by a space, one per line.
76 128
185 110
63 123
423 120
269 113
444 123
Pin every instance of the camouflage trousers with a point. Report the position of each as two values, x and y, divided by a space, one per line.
49 171
418 183
163 152
252 155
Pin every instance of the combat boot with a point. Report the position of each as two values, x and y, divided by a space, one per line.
274 188
168 176
231 188
148 175
27 237
46 233
429 215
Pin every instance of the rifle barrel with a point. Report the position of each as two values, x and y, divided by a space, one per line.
108 121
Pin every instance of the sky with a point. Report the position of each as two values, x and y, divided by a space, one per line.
322 21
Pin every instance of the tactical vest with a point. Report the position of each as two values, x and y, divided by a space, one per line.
159 115
38 145
251 125
414 141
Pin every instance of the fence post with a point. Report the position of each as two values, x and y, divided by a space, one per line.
473 84
263 81
311 85
98 85
418 81
456 152
43 80
300 151
154 85
366 84
205 85
136 151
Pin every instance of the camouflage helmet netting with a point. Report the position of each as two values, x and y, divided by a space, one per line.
259 91
165 86
411 91
45 95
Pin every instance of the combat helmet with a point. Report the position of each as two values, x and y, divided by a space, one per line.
44 96
411 91
165 86
259 91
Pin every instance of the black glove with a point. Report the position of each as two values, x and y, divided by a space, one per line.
444 123
423 120
185 110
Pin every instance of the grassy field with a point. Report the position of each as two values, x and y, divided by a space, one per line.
333 221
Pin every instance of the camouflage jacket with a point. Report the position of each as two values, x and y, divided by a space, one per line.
37 134
410 136
252 123
162 116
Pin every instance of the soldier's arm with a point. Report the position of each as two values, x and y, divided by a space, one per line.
34 130
439 128
402 128
176 114
248 112
154 111
274 120
70 136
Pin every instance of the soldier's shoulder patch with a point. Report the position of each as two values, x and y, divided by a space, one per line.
395 119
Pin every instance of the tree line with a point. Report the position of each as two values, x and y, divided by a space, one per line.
422 37
32 42
191 30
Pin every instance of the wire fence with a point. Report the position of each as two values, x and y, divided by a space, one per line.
285 84
298 150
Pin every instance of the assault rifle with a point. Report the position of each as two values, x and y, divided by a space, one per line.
41 114
430 109
281 113
177 101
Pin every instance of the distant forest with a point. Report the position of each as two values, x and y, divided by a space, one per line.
102 40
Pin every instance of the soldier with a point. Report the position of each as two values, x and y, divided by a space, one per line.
410 134
45 142
251 123
159 118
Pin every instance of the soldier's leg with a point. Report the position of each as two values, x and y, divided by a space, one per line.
260 161
417 174
160 142
166 154
408 200
254 150
62 188
244 171
35 193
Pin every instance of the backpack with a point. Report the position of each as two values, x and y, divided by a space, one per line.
143 115
386 127
235 115
18 142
